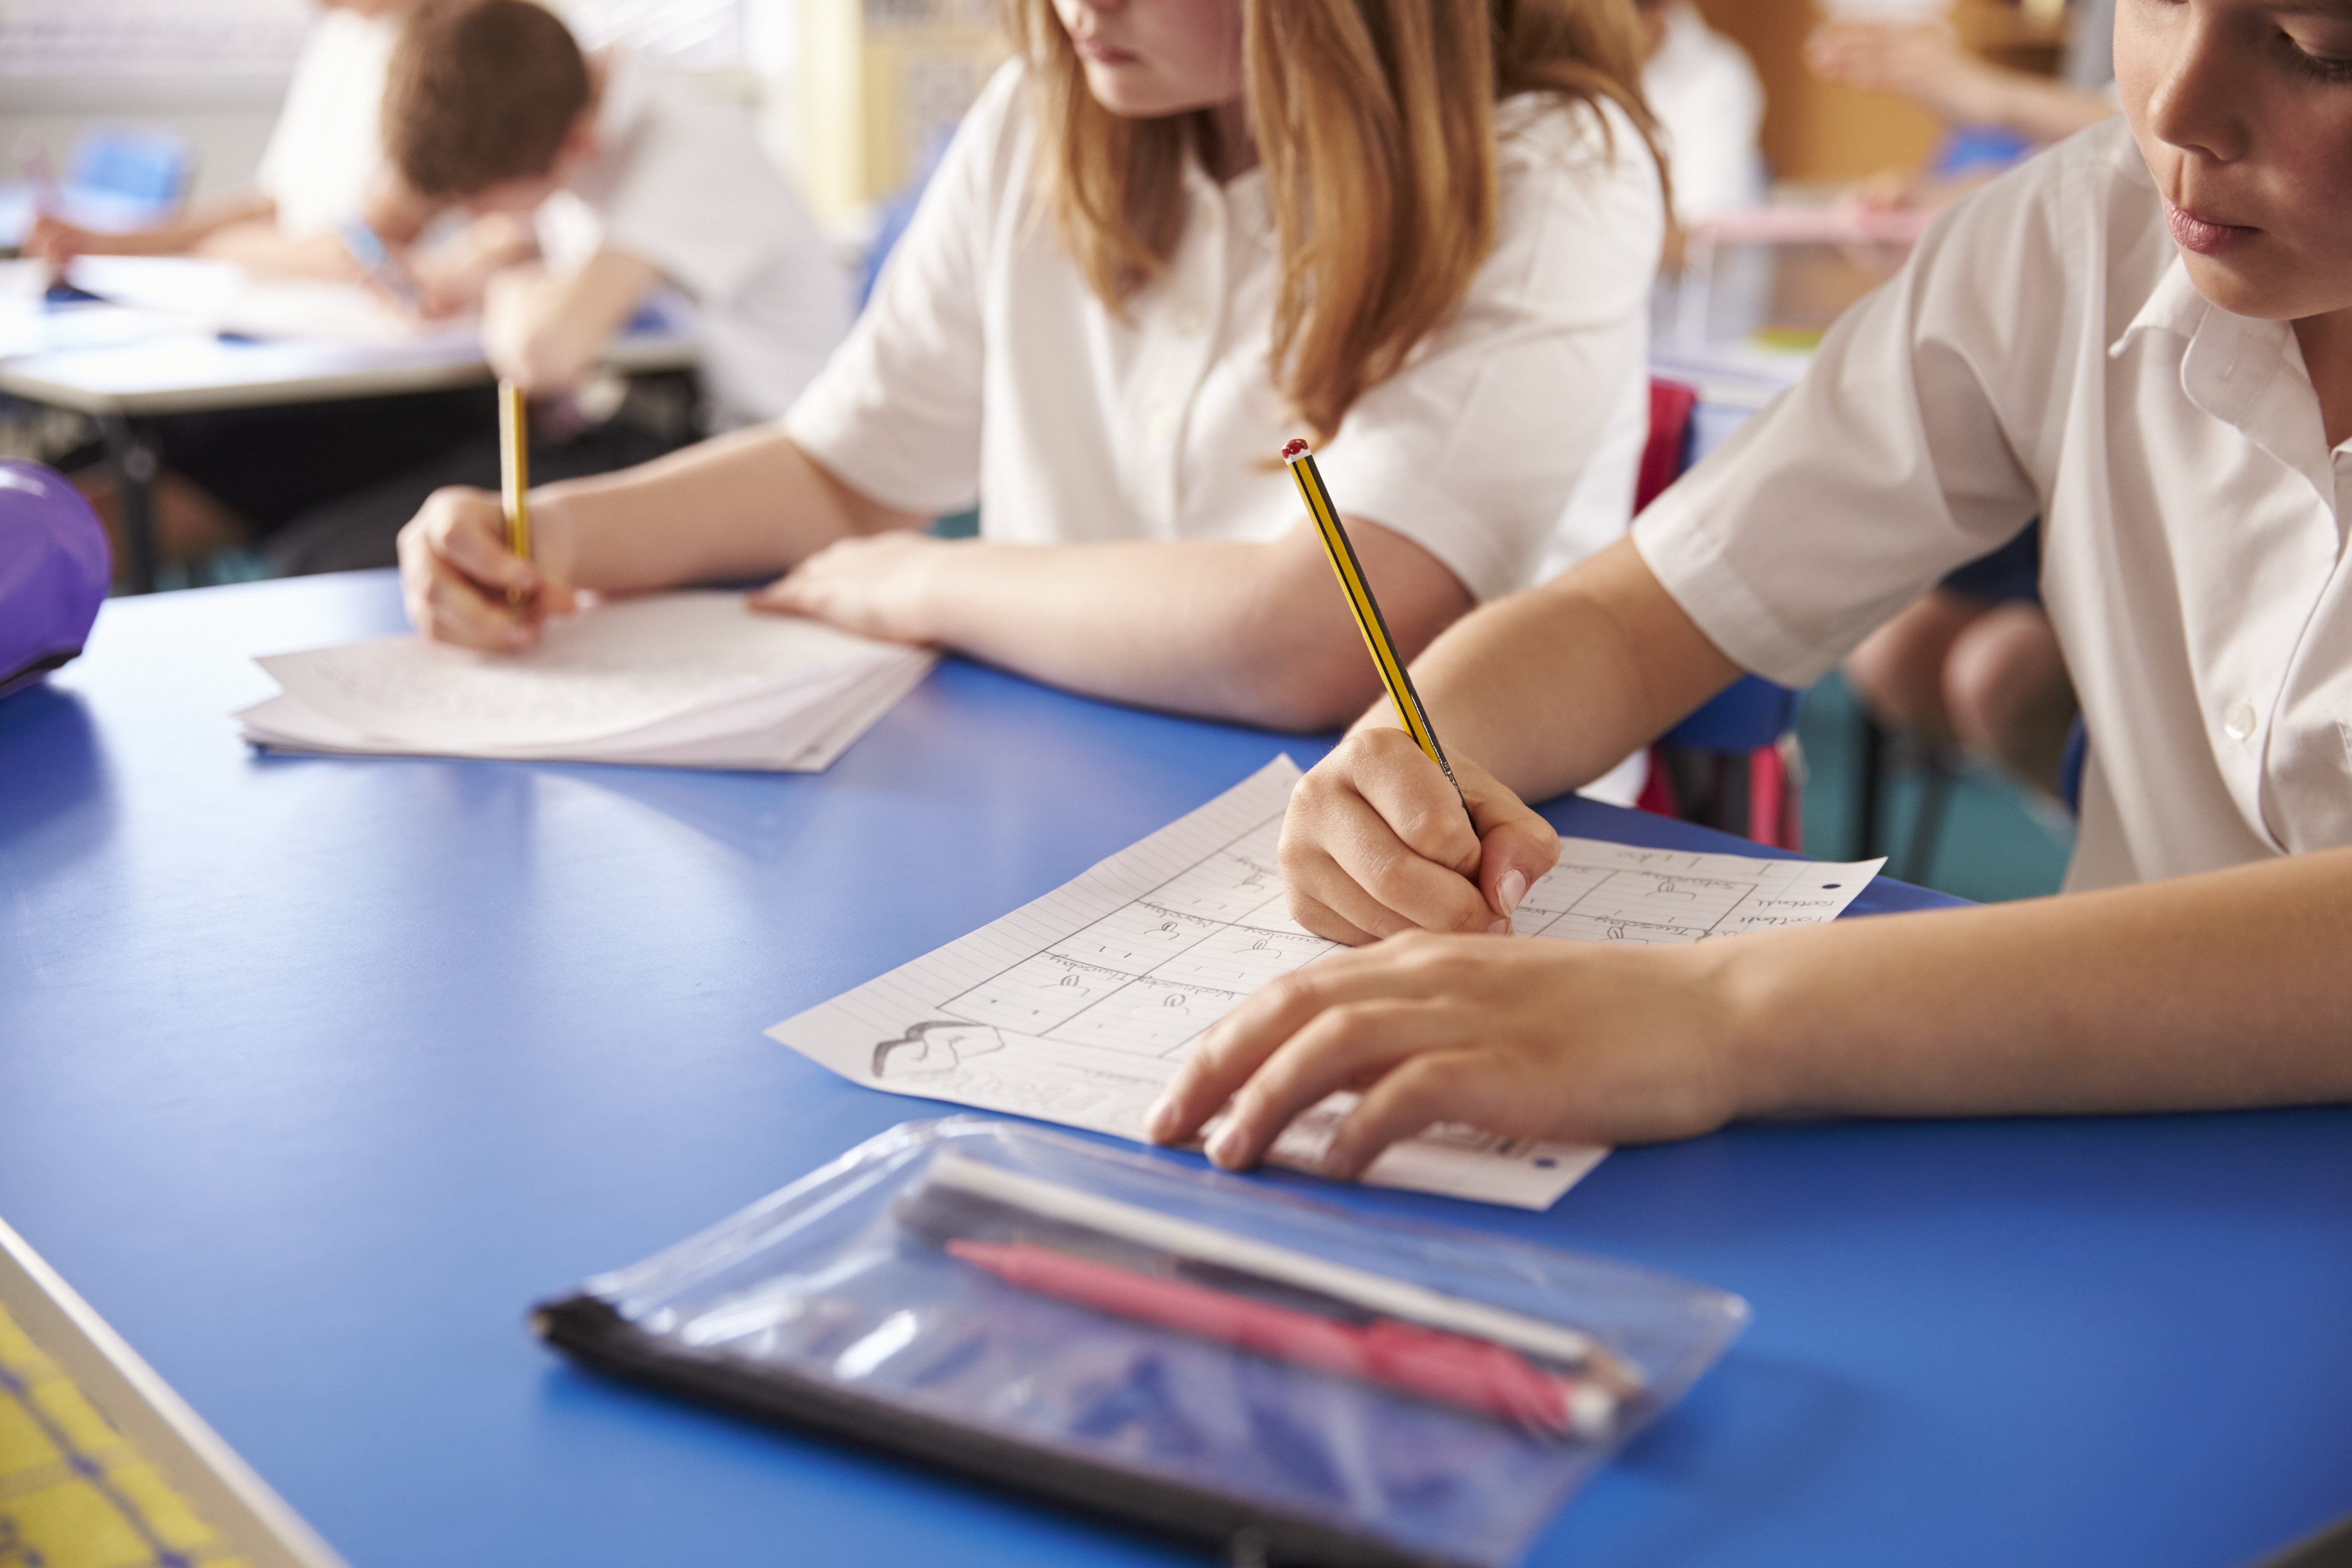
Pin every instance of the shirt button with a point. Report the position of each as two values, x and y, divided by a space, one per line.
1158 428
1191 320
2239 721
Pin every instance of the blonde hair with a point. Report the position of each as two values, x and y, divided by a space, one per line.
1375 120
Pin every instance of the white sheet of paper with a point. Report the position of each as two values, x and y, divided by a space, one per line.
613 669
220 296
1077 1007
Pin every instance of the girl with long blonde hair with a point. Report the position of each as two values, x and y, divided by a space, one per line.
1170 234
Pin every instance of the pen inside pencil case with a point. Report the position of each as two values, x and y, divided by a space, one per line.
939 1215
962 1199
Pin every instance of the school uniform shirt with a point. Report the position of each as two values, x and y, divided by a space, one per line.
326 151
984 369
682 183
1704 92
2044 351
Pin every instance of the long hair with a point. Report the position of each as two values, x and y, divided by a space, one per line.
1375 122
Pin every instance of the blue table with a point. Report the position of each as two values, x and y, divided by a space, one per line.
315 1073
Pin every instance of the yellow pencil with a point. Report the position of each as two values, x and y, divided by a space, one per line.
1351 572
514 472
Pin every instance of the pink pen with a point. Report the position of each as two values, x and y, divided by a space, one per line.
1476 1374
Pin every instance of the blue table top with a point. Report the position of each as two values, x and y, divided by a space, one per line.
314 1073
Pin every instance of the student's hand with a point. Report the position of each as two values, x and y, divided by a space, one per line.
1573 1042
1376 843
1923 61
58 242
452 277
455 571
878 584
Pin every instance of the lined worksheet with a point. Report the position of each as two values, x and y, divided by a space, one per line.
1075 1009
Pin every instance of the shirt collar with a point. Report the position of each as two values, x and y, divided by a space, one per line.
2244 371
2173 306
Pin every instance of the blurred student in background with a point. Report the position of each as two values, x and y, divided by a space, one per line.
1974 663
1710 108
234 477
323 166
610 182
1170 234
1927 63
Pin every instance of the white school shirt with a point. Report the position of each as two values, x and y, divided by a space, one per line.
683 184
1710 106
2045 353
326 151
985 369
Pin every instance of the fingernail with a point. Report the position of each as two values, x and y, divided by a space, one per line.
1226 1148
1500 928
1510 889
1157 1120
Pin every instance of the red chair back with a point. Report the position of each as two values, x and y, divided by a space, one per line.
1668 453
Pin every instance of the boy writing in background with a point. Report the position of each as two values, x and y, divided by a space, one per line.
617 183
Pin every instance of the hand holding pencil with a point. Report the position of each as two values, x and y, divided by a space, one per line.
1463 870
481 571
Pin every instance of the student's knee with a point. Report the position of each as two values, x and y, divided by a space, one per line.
2006 688
2001 667
1898 672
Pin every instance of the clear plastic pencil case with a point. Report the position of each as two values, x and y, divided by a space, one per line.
1192 1353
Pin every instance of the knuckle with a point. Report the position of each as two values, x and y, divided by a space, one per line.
1288 993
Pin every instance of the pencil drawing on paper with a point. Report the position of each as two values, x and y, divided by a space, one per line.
934 1048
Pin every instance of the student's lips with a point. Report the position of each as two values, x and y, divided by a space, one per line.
1095 52
2202 234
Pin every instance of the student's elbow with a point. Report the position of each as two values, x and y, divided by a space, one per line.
1304 684
1309 707
548 361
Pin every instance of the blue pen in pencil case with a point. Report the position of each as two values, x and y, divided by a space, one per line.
1195 1354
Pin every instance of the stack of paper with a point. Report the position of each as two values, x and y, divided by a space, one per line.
686 680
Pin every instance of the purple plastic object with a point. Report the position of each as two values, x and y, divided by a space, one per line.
54 570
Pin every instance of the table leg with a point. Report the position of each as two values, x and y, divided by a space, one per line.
131 447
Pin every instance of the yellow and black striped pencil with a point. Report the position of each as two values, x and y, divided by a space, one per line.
514 472
1351 572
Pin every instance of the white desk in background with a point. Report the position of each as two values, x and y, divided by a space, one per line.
125 366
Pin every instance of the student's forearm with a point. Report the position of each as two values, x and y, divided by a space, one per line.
2213 991
1161 625
263 249
182 234
1254 632
544 332
1546 687
735 507
2044 110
